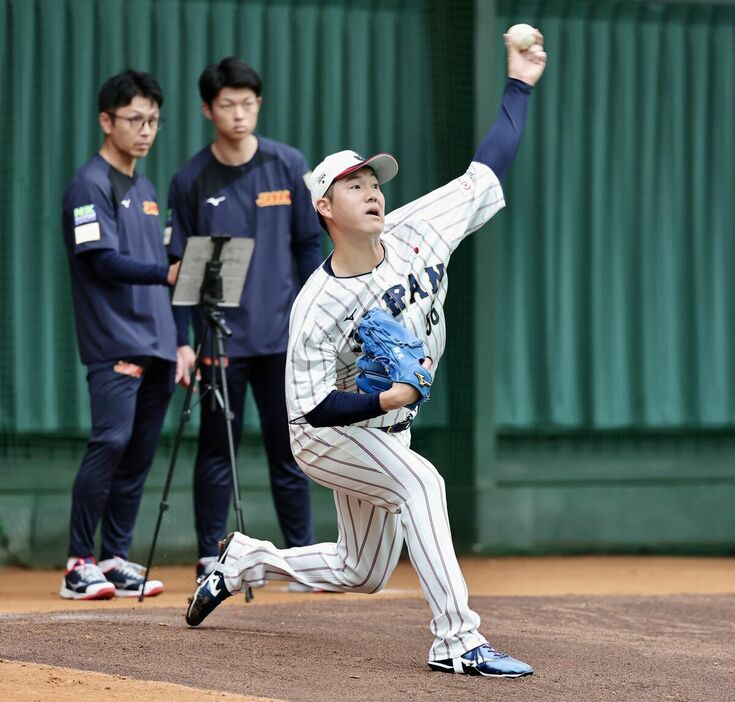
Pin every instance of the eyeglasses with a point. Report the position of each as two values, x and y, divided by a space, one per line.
137 122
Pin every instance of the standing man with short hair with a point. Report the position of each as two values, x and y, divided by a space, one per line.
358 444
245 185
126 336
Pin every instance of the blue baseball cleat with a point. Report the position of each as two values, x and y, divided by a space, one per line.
210 593
486 661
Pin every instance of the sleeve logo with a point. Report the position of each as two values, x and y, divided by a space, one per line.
150 207
84 214
273 198
466 186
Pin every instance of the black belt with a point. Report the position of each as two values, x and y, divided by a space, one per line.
395 428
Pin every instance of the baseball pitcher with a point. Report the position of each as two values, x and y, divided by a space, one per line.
367 334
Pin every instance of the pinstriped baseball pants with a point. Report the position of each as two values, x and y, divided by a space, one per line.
384 493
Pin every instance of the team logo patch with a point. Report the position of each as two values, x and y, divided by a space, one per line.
467 182
150 207
273 198
466 186
84 214
127 368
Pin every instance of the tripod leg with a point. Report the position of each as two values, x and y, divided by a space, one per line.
221 357
184 418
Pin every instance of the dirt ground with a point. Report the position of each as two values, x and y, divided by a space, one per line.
594 628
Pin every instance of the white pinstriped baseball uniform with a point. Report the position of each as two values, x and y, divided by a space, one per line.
384 491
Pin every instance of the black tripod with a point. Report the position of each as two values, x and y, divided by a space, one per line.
215 330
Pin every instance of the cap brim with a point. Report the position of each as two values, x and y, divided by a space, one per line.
384 166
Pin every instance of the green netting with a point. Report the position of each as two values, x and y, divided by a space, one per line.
336 75
614 299
605 291
599 299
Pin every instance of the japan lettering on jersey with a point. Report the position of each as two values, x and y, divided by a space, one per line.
410 283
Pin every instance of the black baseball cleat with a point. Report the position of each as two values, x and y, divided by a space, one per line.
210 592
486 661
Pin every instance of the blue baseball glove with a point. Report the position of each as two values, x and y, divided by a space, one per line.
390 354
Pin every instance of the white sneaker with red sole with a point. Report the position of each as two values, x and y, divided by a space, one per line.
84 580
127 578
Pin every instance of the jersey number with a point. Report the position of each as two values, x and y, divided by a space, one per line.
432 319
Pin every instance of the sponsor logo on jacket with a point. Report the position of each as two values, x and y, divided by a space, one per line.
273 198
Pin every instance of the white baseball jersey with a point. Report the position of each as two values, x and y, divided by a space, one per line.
384 492
410 283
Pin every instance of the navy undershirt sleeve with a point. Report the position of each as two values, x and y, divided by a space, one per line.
339 409
113 265
182 317
499 147
308 255
306 232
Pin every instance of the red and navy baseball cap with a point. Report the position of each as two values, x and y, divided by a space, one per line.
342 163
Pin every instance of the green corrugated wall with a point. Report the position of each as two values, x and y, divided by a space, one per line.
586 402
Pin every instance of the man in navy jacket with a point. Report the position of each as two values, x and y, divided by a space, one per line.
243 184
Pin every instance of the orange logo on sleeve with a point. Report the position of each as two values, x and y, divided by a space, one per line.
150 207
274 197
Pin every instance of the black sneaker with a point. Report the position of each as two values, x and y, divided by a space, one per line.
84 580
210 593
486 661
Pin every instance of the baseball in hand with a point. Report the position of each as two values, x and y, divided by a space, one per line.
522 35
